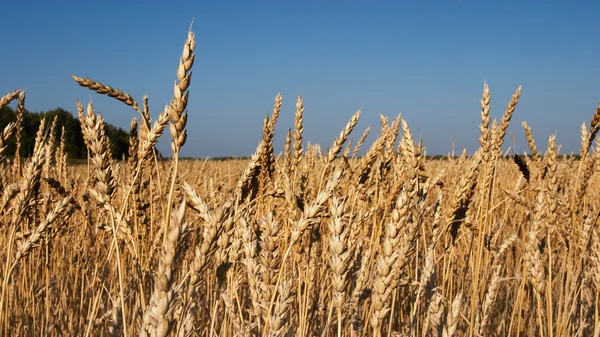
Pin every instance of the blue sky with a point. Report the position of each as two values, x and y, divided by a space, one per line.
425 59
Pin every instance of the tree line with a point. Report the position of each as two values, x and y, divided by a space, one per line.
74 144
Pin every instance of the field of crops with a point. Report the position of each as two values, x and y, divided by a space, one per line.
303 243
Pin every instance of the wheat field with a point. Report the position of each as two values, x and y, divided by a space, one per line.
305 243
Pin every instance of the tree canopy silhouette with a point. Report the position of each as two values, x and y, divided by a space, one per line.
74 144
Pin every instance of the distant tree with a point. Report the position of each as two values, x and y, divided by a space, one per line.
74 144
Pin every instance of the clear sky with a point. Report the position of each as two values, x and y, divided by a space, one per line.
425 59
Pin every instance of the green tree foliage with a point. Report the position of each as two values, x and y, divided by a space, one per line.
74 145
